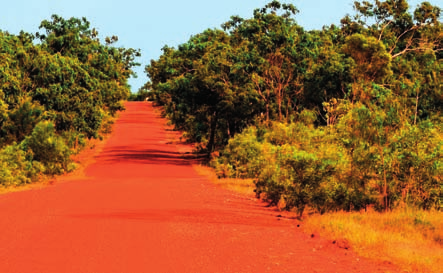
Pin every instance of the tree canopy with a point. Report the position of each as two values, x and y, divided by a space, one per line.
64 87
369 90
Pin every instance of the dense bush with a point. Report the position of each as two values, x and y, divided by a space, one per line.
291 163
44 146
15 168
55 94
345 117
299 166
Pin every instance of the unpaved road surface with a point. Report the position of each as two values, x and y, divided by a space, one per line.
142 208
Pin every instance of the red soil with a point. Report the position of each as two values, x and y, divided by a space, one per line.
142 208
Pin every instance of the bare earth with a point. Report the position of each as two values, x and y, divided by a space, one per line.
143 208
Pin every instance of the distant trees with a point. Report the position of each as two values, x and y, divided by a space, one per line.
201 89
344 117
55 93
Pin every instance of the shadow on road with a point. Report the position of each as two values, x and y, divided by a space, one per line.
149 156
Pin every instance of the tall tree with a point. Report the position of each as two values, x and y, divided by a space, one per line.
270 39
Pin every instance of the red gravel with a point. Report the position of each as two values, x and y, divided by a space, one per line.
143 208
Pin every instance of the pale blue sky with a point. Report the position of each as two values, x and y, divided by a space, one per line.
149 25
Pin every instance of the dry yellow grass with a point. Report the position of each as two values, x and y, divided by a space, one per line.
243 186
34 186
412 240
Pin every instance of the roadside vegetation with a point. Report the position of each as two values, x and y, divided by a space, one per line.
348 117
58 89
239 185
411 239
343 124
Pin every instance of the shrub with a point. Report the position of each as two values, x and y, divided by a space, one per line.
76 141
240 156
13 166
48 148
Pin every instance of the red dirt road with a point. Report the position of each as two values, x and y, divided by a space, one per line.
144 209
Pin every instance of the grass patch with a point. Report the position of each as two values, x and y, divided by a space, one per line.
412 240
33 186
409 239
243 186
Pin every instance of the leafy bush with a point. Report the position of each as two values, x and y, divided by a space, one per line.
20 121
240 155
76 141
106 124
13 166
17 168
418 155
364 104
292 164
341 168
56 93
48 148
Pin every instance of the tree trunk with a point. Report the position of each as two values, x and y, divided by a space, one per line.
287 109
385 183
211 141
416 109
229 129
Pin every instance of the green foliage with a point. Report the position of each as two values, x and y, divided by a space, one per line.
14 166
358 106
141 95
418 165
371 61
197 86
291 163
48 148
76 141
19 122
242 156
41 153
55 94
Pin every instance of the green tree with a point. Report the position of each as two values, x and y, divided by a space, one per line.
55 92
269 40
109 66
197 83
